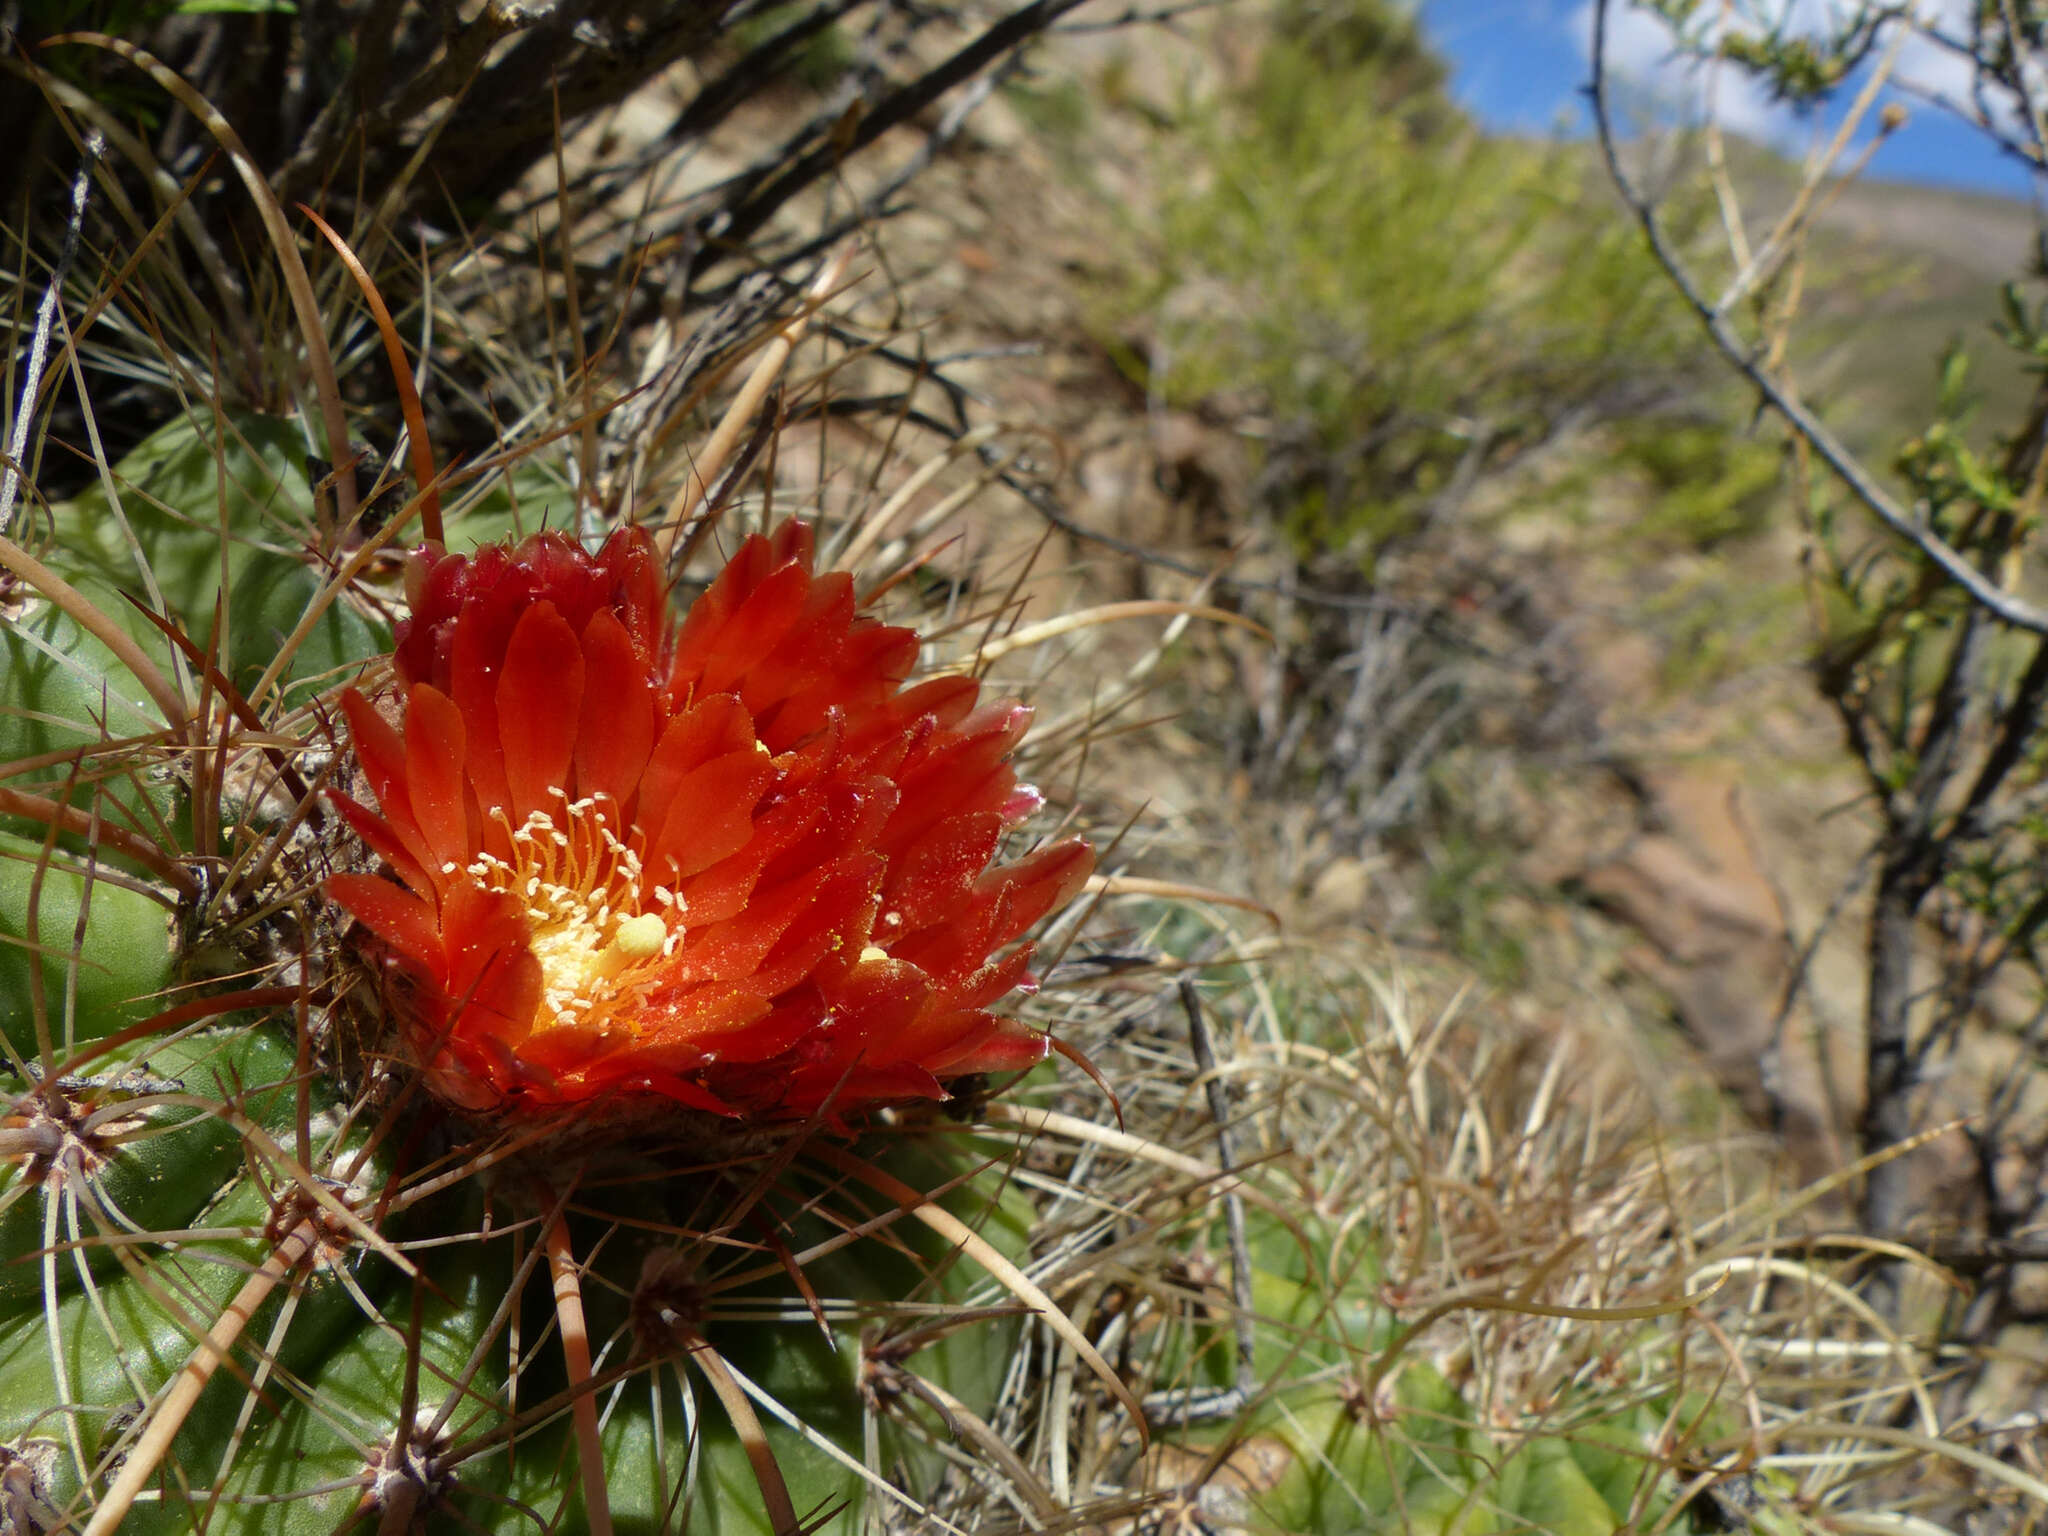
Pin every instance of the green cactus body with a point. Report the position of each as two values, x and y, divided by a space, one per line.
290 1439
151 1157
179 489
1339 1447
118 981
67 694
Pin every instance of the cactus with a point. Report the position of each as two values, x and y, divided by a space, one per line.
308 1226
1346 1425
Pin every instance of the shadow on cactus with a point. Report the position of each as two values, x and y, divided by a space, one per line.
502 1076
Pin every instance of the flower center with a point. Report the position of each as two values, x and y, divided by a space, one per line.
599 936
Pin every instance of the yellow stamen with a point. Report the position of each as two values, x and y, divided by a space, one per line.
581 885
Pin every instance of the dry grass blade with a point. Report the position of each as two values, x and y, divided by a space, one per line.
1049 1122
576 1354
969 1426
401 377
978 1248
705 468
1774 1211
1930 1447
1175 890
1110 613
1895 1346
1215 1182
873 528
168 1416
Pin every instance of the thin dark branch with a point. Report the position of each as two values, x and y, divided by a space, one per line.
1133 16
745 217
1847 468
744 81
2017 727
1802 963
1193 1404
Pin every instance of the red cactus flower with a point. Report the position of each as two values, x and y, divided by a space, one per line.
736 863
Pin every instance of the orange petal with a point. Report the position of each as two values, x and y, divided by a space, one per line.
769 1033
710 817
1008 1047
793 539
992 981
505 999
834 818
753 630
878 1000
870 660
936 1038
721 891
467 1078
836 1096
560 1049
933 877
540 703
731 950
710 728
637 590
948 700
955 949
1039 882
704 624
678 1022
689 1094
492 975
807 650
952 774
617 731
434 778
381 752
837 919
473 684
372 829
397 917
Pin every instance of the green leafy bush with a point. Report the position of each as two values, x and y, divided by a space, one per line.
1399 300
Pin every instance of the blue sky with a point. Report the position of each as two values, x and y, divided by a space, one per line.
1520 65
